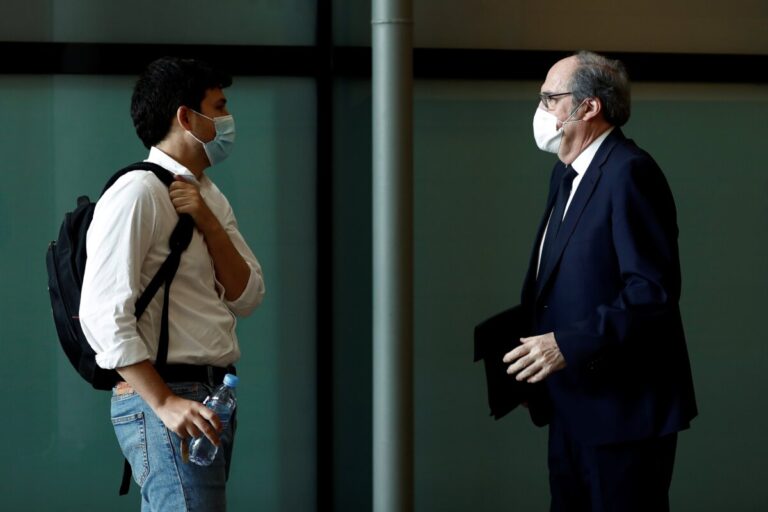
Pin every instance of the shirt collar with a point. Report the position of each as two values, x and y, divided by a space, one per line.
156 156
581 164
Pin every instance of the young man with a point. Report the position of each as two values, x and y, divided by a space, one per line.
180 113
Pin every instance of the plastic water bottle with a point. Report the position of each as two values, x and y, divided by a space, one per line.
201 450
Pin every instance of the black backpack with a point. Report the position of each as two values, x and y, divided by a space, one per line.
65 263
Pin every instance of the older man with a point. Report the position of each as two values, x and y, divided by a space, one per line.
602 294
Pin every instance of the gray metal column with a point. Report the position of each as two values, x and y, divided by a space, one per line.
392 28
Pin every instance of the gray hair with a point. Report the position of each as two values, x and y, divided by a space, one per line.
605 79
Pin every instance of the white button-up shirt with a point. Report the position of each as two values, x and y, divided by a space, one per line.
127 242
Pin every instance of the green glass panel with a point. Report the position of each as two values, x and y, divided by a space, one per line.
265 22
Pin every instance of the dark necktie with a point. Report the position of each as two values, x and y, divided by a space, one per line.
556 219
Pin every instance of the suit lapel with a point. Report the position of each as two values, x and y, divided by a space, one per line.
578 203
529 284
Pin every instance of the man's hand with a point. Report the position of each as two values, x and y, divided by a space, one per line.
186 198
187 418
536 359
231 269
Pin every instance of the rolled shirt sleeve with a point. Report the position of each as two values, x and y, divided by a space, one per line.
253 294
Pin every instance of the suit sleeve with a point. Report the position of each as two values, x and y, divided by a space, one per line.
644 232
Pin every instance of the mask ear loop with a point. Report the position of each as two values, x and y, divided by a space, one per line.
568 119
193 136
201 115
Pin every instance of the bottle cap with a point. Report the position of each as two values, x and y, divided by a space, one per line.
231 380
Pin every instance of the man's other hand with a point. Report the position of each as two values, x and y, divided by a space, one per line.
536 359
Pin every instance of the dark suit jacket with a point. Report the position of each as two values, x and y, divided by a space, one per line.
610 293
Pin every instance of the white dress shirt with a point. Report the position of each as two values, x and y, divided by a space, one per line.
580 165
127 242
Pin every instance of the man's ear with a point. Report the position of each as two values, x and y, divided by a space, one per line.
182 117
593 108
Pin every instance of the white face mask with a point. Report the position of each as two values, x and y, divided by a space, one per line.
219 148
548 136
545 131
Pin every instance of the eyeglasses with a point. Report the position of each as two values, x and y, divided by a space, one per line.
547 97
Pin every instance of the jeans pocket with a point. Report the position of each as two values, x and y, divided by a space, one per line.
131 432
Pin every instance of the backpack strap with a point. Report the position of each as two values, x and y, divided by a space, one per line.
125 484
179 241
161 172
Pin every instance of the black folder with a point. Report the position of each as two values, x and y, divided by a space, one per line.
493 338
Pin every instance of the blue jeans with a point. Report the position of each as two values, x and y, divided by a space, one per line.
167 484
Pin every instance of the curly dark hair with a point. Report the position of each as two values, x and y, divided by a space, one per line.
165 85
600 77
